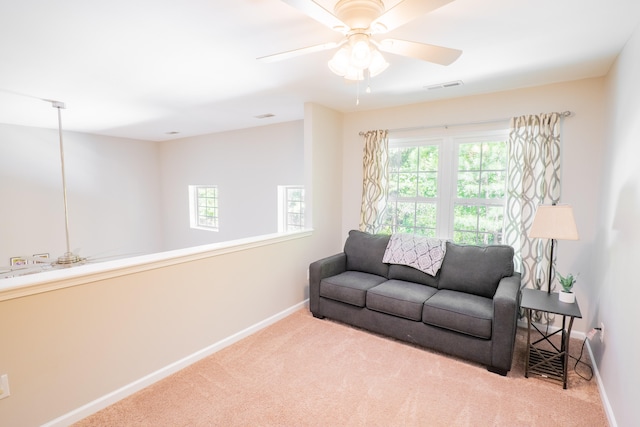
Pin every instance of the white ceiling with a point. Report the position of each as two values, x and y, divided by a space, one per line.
143 68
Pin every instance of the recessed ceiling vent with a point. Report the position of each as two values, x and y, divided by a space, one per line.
264 116
445 85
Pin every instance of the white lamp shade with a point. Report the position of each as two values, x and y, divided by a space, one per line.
339 63
361 54
378 63
354 74
554 222
352 59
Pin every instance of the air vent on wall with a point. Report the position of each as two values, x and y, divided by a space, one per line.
445 85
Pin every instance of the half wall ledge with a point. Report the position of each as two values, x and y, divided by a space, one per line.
21 286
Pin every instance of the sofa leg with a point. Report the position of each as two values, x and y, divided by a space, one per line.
317 316
498 371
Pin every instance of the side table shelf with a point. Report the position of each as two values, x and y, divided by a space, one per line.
543 356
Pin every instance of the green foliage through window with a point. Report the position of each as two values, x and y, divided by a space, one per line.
480 191
477 192
413 187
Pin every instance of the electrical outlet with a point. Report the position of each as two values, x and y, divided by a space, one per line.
601 332
4 386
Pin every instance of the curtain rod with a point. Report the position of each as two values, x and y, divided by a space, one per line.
484 122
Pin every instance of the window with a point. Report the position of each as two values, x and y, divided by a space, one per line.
291 208
478 207
203 202
449 187
413 189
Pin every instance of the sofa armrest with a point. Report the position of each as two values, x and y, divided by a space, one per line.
318 270
506 303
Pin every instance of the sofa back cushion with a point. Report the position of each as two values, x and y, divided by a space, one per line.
365 251
410 274
475 269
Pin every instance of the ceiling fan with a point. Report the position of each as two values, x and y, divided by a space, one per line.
360 21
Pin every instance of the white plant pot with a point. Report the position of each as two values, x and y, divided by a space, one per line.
568 297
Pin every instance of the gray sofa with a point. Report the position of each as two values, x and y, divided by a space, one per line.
469 309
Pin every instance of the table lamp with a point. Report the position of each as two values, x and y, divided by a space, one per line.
555 222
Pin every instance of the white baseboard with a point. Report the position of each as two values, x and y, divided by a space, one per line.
129 389
603 393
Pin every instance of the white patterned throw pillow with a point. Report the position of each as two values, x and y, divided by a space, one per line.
422 253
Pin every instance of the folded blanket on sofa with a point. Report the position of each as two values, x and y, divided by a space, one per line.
420 252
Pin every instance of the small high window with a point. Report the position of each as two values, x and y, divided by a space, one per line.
290 208
203 207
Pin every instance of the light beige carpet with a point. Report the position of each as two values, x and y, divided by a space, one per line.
303 371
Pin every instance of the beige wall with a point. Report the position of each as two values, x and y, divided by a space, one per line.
324 127
617 251
582 143
247 165
65 348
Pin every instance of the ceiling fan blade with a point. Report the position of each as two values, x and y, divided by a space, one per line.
297 52
319 13
404 12
426 52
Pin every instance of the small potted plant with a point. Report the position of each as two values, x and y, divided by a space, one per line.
566 295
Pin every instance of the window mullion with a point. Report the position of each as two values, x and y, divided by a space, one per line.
447 189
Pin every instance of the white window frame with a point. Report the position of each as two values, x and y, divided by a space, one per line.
449 142
194 208
283 209
479 137
418 142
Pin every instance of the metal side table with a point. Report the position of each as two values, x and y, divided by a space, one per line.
550 362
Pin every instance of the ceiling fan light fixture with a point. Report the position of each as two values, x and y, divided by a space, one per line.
340 61
378 63
360 51
358 13
359 21
352 59
354 74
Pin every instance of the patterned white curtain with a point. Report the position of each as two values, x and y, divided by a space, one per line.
374 180
533 178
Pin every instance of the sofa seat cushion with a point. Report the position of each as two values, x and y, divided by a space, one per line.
461 312
399 298
349 287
